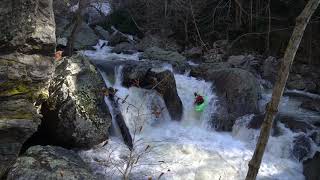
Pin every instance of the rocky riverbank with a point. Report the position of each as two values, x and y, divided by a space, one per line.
60 104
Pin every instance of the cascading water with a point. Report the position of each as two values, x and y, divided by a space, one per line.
188 149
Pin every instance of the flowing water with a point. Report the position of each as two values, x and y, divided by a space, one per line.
188 149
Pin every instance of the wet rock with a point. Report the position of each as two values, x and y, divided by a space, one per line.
19 120
75 114
311 86
313 105
125 132
85 37
96 12
301 147
297 84
49 162
256 121
202 69
25 28
103 34
311 167
214 56
118 37
270 69
162 81
156 53
125 48
150 41
195 52
248 62
27 40
238 91
218 53
295 124
315 136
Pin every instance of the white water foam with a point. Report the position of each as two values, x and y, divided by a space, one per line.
188 150
103 52
191 151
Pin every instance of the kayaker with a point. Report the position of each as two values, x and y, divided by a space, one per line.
199 99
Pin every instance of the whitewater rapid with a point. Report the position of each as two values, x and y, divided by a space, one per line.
186 150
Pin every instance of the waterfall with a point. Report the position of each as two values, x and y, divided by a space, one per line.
186 150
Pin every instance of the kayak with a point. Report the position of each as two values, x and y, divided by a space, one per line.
201 107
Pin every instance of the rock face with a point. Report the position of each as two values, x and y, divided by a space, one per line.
270 69
294 123
103 34
125 132
156 53
313 105
27 42
311 167
195 52
238 92
85 37
27 26
118 37
162 81
75 115
124 47
301 147
150 41
48 162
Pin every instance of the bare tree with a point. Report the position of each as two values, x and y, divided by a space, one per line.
82 4
272 107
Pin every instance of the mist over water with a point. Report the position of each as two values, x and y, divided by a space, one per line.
190 149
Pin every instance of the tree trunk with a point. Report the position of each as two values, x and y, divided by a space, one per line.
77 24
272 107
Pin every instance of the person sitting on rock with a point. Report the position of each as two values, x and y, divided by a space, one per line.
199 99
58 55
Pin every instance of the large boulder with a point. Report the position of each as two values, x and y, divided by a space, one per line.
301 147
48 162
27 26
295 124
102 33
311 167
150 41
313 105
75 114
160 80
270 67
124 47
27 40
155 53
247 62
116 113
256 123
84 39
195 52
118 37
238 94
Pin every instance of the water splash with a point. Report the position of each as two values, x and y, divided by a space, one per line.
103 52
189 150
